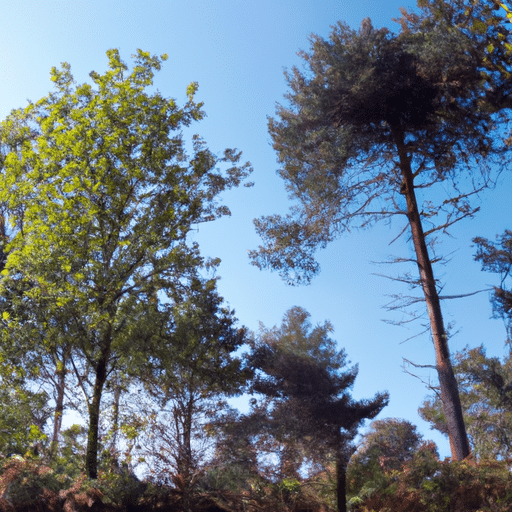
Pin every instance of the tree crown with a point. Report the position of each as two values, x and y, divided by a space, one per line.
360 94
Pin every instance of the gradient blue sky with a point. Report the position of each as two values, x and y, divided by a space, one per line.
237 51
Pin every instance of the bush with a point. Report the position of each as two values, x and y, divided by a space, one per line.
428 485
27 485
121 488
24 482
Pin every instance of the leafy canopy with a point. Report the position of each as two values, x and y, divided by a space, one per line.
101 197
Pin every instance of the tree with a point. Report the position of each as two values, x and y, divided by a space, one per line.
497 258
194 371
101 198
393 441
306 407
234 465
47 364
383 126
485 24
23 415
387 445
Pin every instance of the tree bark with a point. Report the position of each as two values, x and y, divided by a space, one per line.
186 464
59 404
459 444
91 457
115 419
341 482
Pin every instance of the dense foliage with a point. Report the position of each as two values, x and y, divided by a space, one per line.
306 412
100 197
426 484
385 447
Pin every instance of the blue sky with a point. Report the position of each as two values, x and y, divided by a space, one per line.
237 51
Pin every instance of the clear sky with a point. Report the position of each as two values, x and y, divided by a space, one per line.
237 51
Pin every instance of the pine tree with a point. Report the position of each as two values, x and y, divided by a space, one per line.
306 407
378 127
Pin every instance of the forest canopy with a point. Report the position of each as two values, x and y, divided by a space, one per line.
110 312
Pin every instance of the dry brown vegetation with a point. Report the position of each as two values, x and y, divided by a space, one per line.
424 484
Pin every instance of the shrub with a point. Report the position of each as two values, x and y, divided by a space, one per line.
428 485
24 482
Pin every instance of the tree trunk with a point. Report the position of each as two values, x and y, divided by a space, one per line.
91 457
341 482
115 419
186 464
449 389
59 404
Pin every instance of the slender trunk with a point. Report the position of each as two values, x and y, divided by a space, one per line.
3 242
91 457
59 405
115 420
187 462
341 482
449 389
187 438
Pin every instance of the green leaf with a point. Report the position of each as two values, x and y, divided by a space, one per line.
192 89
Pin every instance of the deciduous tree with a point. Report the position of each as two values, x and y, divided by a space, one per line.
194 370
101 198
387 445
23 415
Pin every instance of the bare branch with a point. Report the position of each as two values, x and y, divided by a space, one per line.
446 225
406 279
427 329
401 323
395 260
405 301
447 297
416 365
400 234
428 385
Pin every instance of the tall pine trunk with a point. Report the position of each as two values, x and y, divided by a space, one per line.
449 388
341 482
